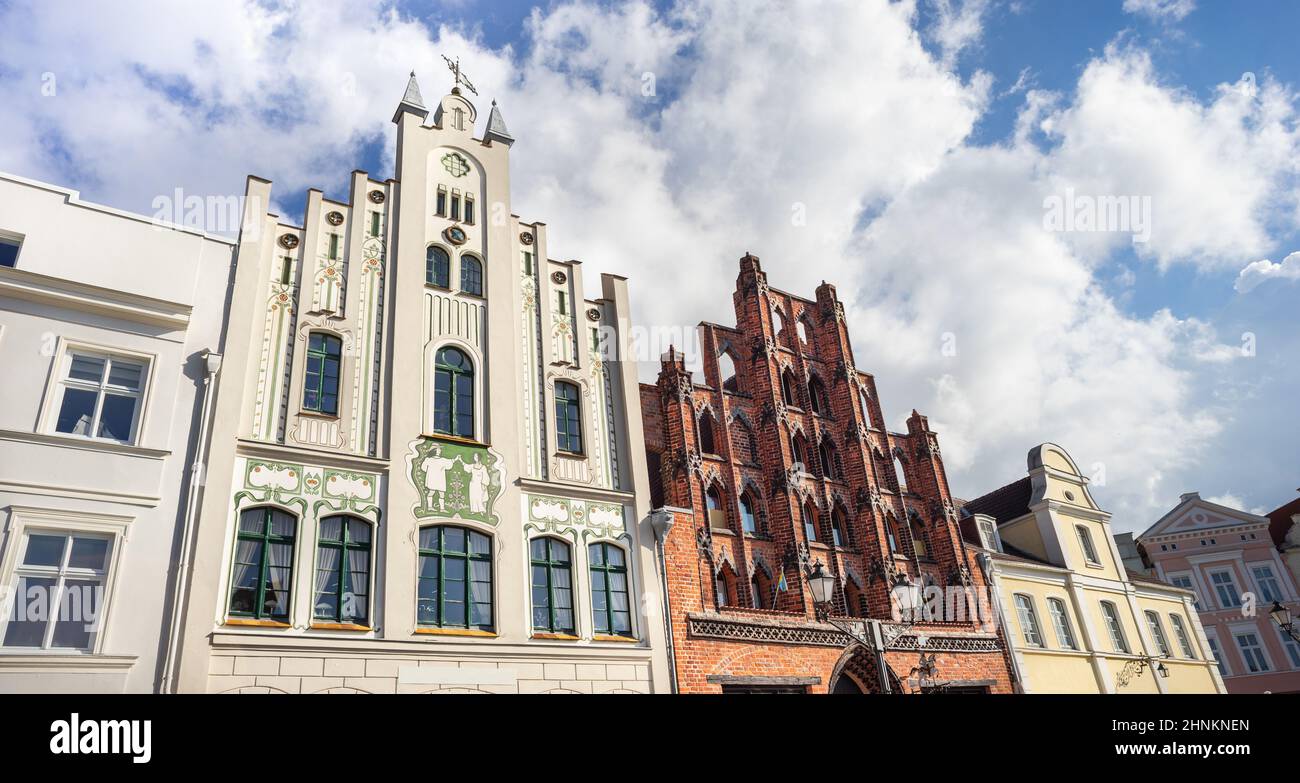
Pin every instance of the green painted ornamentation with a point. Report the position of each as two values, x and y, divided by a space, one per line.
456 480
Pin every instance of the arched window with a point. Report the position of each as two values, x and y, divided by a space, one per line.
865 399
610 609
855 603
320 387
552 583
437 267
839 527
788 393
817 397
891 534
827 453
568 417
453 393
727 372
343 571
799 448
898 471
760 589
720 592
920 539
778 321
261 585
717 508
471 275
809 521
455 589
707 445
748 514
801 326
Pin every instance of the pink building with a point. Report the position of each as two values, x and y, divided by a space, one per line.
1228 559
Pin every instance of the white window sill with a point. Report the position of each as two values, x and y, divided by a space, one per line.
81 442
72 660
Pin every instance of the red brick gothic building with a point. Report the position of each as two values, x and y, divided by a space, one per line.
780 460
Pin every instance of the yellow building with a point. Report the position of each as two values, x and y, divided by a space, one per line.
1075 619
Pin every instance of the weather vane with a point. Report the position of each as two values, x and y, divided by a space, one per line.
460 77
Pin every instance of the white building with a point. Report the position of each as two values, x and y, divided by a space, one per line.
424 476
106 319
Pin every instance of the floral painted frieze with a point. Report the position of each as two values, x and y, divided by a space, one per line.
324 490
550 514
455 480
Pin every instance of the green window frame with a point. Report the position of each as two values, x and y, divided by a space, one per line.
320 389
342 589
552 585
568 417
610 608
437 267
455 578
471 275
261 585
374 224
453 393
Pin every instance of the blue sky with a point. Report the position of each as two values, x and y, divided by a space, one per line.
921 139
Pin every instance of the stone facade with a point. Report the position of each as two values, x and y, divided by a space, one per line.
780 460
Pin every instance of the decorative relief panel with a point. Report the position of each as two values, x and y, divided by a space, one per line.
316 491
590 519
455 480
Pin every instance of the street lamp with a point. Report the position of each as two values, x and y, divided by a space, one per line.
822 585
1282 616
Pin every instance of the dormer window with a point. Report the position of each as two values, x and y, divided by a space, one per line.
1085 542
989 537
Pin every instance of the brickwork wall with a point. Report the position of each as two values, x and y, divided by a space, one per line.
757 424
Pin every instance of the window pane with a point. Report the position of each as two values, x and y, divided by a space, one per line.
76 411
429 538
331 529
358 532
125 374
86 368
479 544
88 553
78 612
597 554
538 548
36 595
453 540
615 556
117 417
45 550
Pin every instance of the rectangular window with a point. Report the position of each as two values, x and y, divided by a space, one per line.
552 586
455 589
1292 648
1218 656
469 209
343 571
1061 621
1184 581
320 391
100 396
1028 621
1157 632
1269 591
564 303
1252 652
989 535
374 224
528 263
568 418
9 247
261 583
334 246
442 202
610 608
286 270
1225 587
1180 633
1085 541
455 206
1111 614
59 591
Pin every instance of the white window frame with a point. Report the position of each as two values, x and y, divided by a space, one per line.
17 240
1027 615
58 382
1289 646
1118 639
1259 586
1197 600
988 530
1217 655
1061 623
1214 586
1182 635
1158 636
1260 645
1087 545
25 520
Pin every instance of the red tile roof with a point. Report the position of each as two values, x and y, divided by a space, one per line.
1280 520
1004 503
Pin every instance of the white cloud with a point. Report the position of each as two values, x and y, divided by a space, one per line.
761 110
1170 10
959 24
1257 272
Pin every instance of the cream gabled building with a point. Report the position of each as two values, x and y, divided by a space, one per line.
1074 618
425 474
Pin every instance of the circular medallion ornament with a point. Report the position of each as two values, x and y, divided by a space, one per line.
593 314
455 235
526 238
377 196
335 218
288 241
559 277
